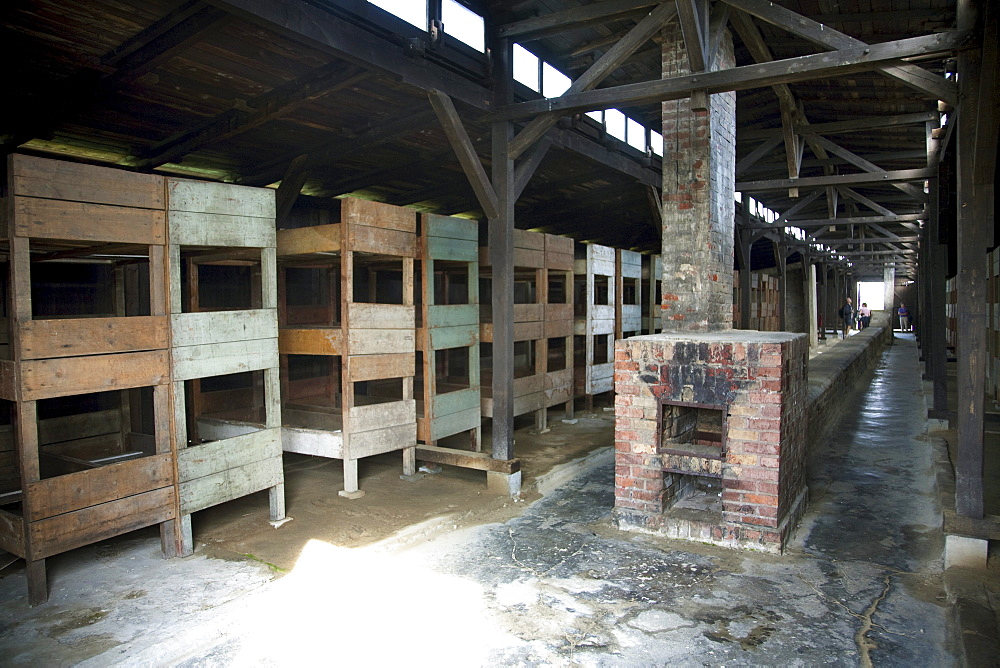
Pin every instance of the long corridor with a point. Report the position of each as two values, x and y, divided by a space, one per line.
860 583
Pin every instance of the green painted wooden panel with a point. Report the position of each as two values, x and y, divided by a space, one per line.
453 315
459 250
452 228
456 423
454 337
454 402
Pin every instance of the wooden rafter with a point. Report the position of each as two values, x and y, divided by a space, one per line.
604 66
790 70
936 87
572 19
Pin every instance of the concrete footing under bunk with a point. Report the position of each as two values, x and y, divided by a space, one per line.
505 483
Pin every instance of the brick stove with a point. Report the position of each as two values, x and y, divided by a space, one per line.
710 435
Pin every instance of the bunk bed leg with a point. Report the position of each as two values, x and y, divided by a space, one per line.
542 420
38 588
185 537
409 463
276 500
569 417
476 439
351 490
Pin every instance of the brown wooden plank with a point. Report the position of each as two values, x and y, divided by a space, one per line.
374 367
12 533
470 460
380 341
56 179
307 240
9 381
376 214
91 336
72 492
81 221
42 379
89 525
382 241
310 341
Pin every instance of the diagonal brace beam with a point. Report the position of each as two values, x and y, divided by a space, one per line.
466 152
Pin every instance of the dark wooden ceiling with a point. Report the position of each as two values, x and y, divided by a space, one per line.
236 90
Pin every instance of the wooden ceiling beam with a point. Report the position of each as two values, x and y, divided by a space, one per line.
466 152
546 25
597 72
304 22
831 64
936 87
868 178
692 15
133 59
855 125
859 162
827 222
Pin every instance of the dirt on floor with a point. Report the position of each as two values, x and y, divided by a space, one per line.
392 507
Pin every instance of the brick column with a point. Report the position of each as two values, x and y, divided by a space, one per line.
699 168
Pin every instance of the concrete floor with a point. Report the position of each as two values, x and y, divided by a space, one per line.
545 581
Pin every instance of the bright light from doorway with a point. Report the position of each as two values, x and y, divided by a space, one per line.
873 294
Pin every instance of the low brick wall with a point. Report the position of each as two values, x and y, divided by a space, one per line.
833 374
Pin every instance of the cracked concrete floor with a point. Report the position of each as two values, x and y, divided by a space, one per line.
558 585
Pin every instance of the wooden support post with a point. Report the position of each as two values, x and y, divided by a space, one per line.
935 269
501 240
782 259
810 287
744 243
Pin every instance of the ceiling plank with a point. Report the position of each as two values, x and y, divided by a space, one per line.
267 107
790 70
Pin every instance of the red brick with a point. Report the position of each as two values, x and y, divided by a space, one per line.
769 462
763 499
761 448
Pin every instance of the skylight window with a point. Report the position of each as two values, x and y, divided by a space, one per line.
615 122
413 12
526 67
636 134
463 24
597 116
656 143
554 82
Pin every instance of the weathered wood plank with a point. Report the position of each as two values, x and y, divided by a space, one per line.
42 379
380 316
316 442
529 312
9 380
68 493
308 240
61 180
374 367
381 241
220 198
195 329
376 214
379 441
380 341
455 423
458 250
211 490
452 315
207 459
58 534
91 336
470 460
454 402
81 425
80 221
379 416
454 337
12 533
449 227
310 341
218 359
191 228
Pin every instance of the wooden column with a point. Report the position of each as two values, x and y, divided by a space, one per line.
810 287
975 235
933 274
501 240
744 244
823 303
